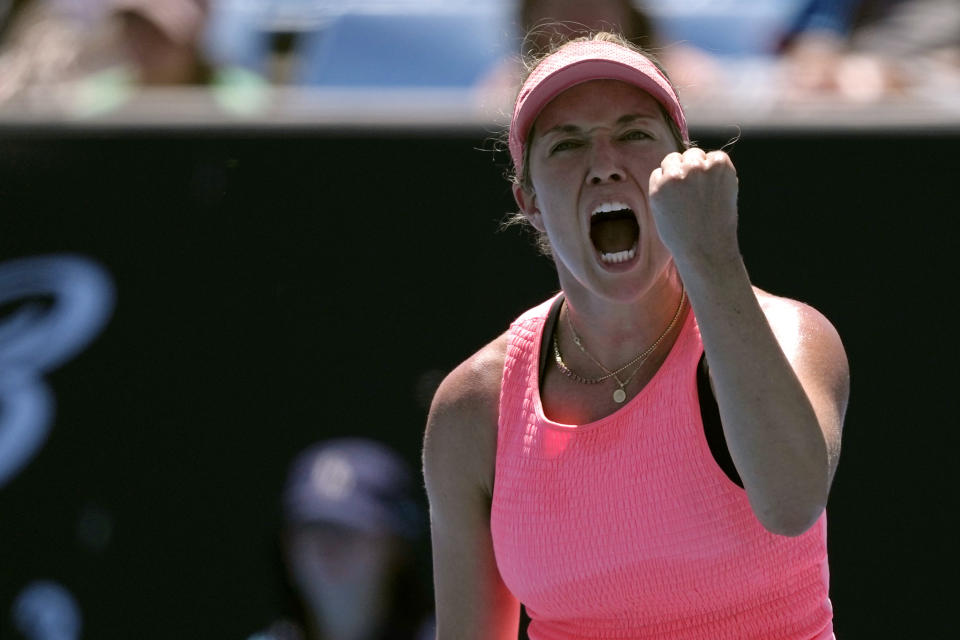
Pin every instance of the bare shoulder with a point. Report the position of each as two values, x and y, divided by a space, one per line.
808 338
459 455
461 436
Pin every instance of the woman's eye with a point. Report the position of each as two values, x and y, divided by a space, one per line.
563 145
635 135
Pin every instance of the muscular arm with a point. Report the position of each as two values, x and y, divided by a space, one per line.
778 368
779 374
458 463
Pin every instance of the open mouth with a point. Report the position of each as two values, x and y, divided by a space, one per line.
614 232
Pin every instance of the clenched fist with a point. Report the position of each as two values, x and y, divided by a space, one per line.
693 197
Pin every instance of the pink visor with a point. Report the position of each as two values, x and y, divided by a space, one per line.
579 62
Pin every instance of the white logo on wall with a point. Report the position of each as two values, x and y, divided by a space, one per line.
65 302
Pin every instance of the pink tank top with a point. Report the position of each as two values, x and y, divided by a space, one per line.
627 529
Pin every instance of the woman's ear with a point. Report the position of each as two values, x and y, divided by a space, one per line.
527 201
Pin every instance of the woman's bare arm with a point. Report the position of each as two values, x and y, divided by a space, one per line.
458 463
779 371
780 376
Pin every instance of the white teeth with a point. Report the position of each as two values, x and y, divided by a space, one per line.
619 256
609 206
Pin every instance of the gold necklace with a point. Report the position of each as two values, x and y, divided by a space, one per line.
619 395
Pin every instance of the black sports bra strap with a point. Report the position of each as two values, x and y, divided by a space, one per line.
549 326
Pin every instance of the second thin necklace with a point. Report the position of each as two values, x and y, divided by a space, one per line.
619 395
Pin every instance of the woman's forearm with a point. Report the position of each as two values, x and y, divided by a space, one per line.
771 426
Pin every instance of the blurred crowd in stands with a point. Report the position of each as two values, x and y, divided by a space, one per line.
102 50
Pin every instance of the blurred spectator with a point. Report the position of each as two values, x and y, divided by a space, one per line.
47 42
769 49
160 39
538 23
712 47
908 27
725 28
547 20
812 47
92 55
894 47
159 44
352 521
686 36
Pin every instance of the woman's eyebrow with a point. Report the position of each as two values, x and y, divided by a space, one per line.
562 128
572 128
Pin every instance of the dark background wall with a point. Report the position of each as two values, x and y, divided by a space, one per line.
277 288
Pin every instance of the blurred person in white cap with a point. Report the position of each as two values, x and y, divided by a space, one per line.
352 521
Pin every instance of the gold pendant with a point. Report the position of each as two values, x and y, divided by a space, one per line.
619 396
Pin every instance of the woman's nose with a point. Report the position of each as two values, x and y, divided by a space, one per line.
605 166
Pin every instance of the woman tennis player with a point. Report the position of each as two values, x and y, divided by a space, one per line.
648 454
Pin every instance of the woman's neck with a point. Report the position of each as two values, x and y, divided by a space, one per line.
614 331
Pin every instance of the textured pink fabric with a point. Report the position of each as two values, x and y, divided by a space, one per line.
579 62
626 528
